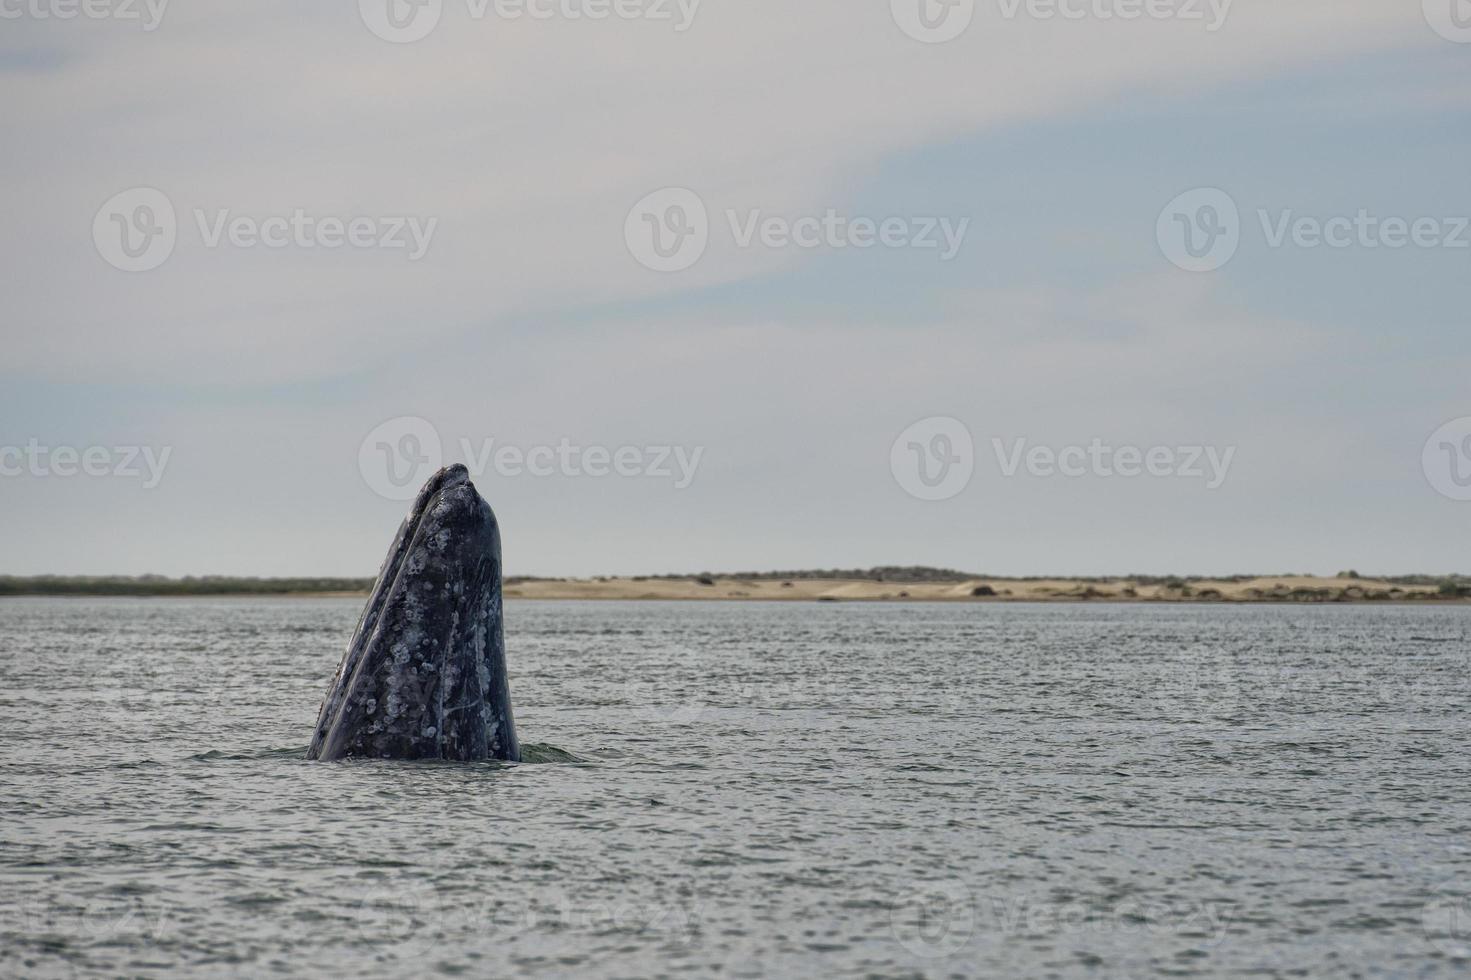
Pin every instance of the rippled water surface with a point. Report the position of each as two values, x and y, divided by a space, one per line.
750 789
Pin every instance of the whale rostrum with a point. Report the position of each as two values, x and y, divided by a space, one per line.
424 676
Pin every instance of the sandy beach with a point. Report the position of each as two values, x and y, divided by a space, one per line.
1264 589
883 585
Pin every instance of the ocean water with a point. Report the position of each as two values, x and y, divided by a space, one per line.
750 790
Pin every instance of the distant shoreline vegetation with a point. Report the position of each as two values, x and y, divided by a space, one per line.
1446 586
156 585
916 574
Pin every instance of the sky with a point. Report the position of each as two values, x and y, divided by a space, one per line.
1018 287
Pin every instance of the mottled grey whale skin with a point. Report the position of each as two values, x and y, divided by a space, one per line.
424 676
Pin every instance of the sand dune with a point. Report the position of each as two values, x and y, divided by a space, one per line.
1267 589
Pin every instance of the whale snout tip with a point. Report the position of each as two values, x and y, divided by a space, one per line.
437 487
452 475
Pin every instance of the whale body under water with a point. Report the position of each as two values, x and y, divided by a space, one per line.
424 676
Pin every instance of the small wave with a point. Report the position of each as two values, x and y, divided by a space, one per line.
532 753
536 754
216 755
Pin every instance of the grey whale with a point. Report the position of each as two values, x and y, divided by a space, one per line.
424 676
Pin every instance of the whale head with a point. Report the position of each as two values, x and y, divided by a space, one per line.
424 676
